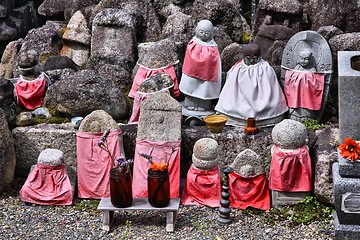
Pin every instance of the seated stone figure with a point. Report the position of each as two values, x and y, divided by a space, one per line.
306 75
252 90
201 72
31 85
303 87
203 184
248 184
290 169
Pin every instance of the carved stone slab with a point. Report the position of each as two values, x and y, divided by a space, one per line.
322 58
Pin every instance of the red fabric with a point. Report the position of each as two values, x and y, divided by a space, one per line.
143 73
160 151
94 163
202 187
249 191
201 61
291 171
47 185
304 89
30 94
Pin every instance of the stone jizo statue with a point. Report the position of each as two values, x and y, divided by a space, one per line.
252 91
305 61
201 73
306 75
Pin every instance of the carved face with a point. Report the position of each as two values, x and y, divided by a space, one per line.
204 30
305 58
251 59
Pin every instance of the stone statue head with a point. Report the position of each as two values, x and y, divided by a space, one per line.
204 30
28 62
305 60
251 53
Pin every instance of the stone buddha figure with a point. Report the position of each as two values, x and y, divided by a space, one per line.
201 72
252 90
306 75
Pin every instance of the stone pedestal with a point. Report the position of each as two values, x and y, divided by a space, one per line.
349 75
347 203
287 198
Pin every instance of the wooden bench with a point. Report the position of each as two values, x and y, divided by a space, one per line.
108 210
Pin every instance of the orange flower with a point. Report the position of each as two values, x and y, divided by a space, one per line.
350 149
159 166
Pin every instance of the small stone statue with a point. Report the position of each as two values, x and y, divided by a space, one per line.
248 183
48 183
203 184
306 75
201 72
252 91
290 169
31 85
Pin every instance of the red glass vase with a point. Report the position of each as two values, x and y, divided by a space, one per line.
158 188
120 188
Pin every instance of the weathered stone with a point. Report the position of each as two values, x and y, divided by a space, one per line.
225 15
117 74
59 62
177 23
270 38
230 55
52 8
8 59
7 153
289 134
77 52
286 13
8 102
83 92
156 82
97 121
30 141
329 31
113 38
160 119
344 42
205 154
157 54
325 154
51 157
24 119
248 158
77 29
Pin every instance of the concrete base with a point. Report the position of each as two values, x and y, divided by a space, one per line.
348 232
287 198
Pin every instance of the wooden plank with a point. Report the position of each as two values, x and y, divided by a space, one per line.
139 204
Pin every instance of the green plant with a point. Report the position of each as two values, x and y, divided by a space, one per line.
87 205
126 233
310 209
306 211
312 124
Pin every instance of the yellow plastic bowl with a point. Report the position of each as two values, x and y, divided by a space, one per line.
215 123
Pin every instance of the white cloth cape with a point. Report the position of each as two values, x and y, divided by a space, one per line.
252 91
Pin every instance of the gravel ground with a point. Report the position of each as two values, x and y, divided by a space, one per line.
83 221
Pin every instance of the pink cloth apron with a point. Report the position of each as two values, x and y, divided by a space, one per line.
304 89
201 61
160 151
202 187
47 185
143 73
291 171
30 94
249 191
94 164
